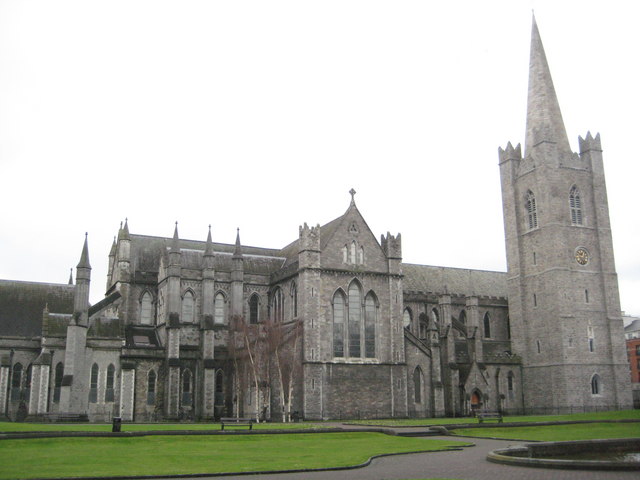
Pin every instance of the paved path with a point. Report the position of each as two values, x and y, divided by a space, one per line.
468 464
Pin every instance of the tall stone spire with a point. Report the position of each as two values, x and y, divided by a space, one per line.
544 119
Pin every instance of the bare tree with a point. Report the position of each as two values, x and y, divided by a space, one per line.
250 352
283 341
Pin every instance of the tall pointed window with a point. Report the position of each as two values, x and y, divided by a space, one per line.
531 210
109 393
254 302
487 326
57 385
93 387
277 305
575 206
355 319
151 388
435 317
338 324
218 309
417 385
219 390
595 385
188 304
406 319
186 387
352 253
294 300
146 312
16 381
370 326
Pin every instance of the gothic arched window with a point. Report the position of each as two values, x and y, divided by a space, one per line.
277 305
595 385
406 318
417 385
254 302
16 381
531 210
462 318
487 326
575 206
219 395
294 300
355 319
57 383
146 309
435 317
218 309
188 307
352 253
338 324
151 388
186 387
93 383
370 326
109 394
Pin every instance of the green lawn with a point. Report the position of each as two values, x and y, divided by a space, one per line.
557 433
137 427
183 454
611 415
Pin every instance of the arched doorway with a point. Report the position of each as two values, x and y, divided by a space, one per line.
476 401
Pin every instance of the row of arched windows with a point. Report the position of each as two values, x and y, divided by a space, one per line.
188 309
94 377
407 320
353 254
575 208
277 304
354 323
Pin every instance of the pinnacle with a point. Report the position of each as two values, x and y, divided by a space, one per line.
84 257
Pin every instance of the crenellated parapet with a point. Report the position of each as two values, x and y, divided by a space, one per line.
309 238
589 143
510 153
392 245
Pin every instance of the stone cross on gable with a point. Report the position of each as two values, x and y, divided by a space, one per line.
352 192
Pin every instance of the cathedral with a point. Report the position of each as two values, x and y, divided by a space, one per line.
334 325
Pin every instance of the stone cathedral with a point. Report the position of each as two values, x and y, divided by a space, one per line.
358 333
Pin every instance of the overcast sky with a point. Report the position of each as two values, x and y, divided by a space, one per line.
263 114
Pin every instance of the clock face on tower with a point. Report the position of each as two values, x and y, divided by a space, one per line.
582 256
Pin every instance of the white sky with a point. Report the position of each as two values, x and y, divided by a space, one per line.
263 114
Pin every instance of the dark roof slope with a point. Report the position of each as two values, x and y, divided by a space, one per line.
22 304
428 279
146 252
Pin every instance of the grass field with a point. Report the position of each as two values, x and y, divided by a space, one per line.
612 415
165 455
557 433
137 427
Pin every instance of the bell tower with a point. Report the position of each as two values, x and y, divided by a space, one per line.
564 304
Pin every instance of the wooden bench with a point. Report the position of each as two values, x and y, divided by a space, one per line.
237 422
482 416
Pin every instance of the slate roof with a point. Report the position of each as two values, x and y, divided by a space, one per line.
429 279
326 232
146 252
22 304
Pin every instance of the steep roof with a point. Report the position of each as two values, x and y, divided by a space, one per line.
146 252
22 304
429 279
